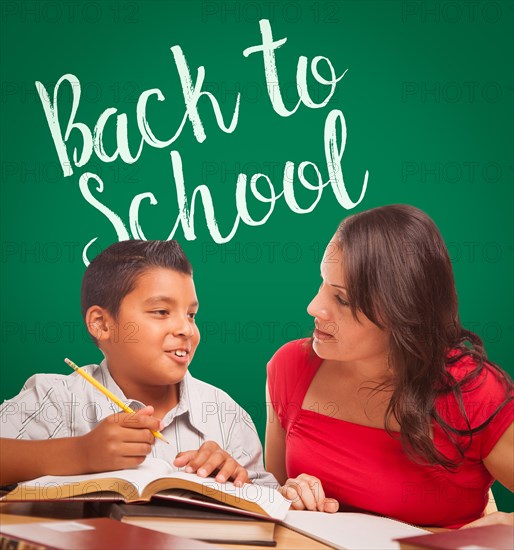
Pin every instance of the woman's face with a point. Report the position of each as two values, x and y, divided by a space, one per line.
338 336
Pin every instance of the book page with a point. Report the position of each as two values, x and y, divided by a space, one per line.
197 499
351 531
139 477
255 498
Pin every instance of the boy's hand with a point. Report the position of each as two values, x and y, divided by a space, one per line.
209 457
306 492
120 441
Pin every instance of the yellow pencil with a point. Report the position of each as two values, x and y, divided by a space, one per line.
107 393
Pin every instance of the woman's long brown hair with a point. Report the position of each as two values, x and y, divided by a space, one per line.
399 274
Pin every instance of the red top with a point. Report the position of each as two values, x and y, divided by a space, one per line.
366 469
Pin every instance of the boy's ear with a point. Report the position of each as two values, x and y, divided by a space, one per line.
99 323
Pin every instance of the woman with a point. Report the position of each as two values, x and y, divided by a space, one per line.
392 407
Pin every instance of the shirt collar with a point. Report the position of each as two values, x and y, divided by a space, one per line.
190 402
108 381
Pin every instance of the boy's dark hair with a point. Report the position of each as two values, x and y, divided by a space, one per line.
114 272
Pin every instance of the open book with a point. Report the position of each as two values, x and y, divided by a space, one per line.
154 478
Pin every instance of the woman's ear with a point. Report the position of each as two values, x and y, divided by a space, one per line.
99 323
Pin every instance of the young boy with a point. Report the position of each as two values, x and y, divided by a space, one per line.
139 304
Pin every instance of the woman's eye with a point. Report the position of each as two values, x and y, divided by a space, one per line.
160 312
341 301
192 315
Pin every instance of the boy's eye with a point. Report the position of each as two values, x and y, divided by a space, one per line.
160 312
341 301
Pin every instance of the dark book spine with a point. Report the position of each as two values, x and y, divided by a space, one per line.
102 508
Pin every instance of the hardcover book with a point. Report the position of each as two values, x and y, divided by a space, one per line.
191 521
154 479
489 537
93 534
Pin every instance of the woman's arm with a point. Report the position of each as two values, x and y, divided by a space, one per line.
305 491
500 461
275 444
500 464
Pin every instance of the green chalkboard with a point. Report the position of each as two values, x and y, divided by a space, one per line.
426 100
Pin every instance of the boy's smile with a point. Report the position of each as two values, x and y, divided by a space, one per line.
154 337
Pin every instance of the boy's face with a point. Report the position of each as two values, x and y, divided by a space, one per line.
155 336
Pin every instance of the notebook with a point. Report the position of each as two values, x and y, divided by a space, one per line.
350 531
